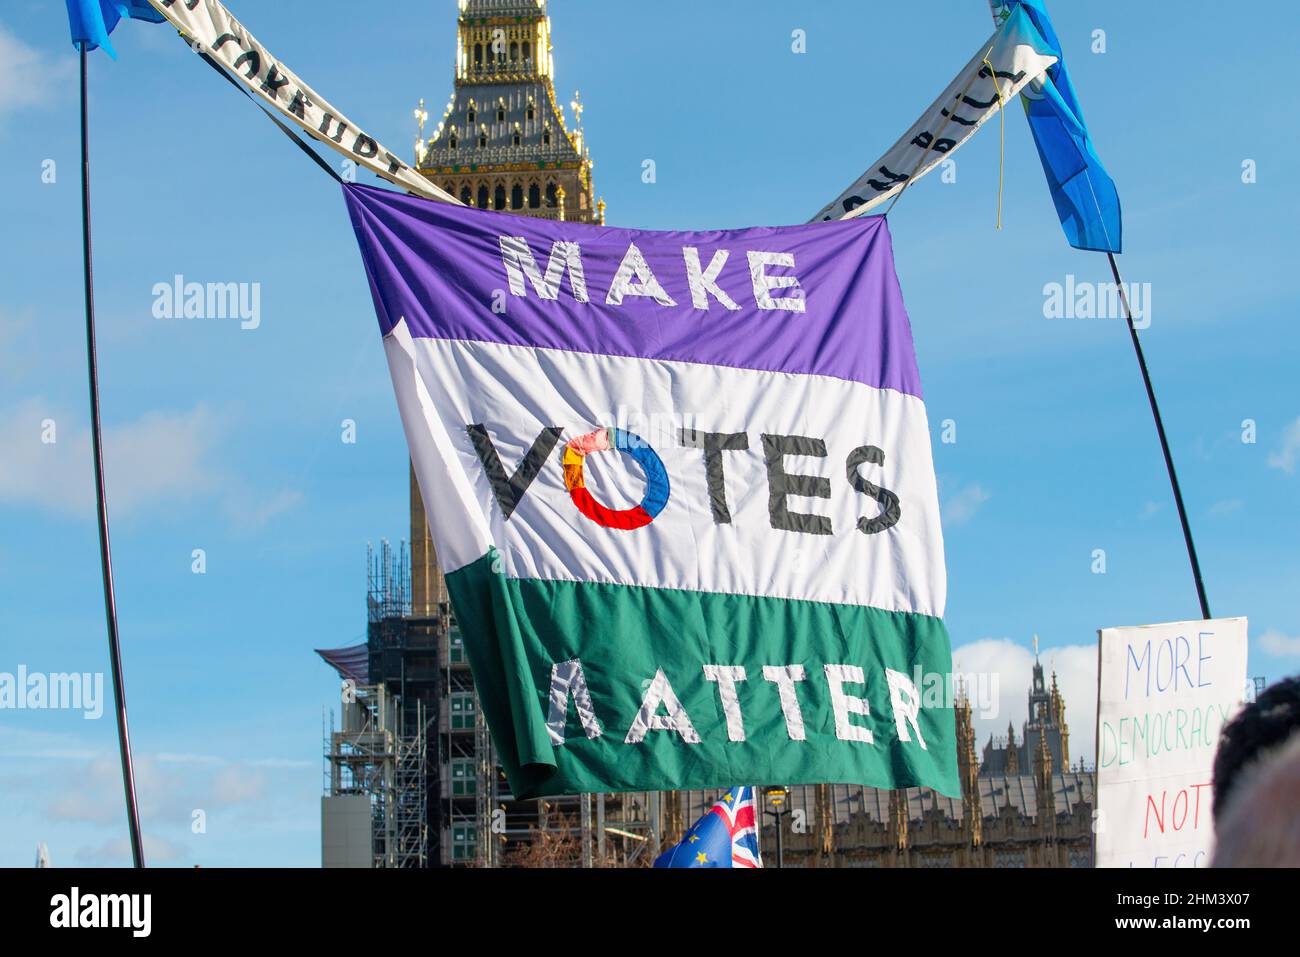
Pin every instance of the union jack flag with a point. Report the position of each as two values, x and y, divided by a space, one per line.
725 837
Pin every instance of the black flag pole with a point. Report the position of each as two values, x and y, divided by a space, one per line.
101 503
1164 441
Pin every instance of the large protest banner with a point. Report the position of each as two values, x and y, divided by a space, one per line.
1164 693
681 487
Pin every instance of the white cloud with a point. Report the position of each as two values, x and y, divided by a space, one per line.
168 757
27 77
117 853
168 791
237 785
960 507
1228 506
1004 669
14 329
1288 453
160 458
91 792
252 516
27 744
1277 643
76 804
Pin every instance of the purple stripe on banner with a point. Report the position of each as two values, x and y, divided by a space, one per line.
442 267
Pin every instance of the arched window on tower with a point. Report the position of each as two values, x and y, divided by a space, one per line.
528 51
483 197
501 114
499 199
534 196
469 115
482 139
452 141
478 55
550 195
546 136
517 138
467 195
517 197
514 52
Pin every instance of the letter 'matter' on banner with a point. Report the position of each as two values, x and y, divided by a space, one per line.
568 681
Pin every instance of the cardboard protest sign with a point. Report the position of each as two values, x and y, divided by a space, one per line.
1164 693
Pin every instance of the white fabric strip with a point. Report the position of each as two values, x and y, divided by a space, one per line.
968 102
210 28
517 391
457 524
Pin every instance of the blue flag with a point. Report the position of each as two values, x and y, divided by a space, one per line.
93 20
725 837
1085 195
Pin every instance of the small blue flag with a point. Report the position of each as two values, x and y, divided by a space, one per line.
1085 195
93 20
725 837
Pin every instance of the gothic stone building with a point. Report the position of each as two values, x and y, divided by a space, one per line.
1022 805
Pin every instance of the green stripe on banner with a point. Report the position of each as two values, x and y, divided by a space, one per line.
517 630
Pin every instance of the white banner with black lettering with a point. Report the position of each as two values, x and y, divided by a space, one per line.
1013 57
210 28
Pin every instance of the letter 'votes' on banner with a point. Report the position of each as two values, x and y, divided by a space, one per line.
1164 694
681 487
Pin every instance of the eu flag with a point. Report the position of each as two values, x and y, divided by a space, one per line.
93 20
1085 196
725 837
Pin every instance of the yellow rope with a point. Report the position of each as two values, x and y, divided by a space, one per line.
1002 134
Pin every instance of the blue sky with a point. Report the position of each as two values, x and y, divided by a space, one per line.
228 439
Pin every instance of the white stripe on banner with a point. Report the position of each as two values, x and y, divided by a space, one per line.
516 392
968 102
457 521
210 28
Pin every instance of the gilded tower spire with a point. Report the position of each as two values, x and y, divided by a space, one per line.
898 819
1013 752
503 141
1046 790
968 768
1058 718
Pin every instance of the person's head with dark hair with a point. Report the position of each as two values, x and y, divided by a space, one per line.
1260 727
1258 826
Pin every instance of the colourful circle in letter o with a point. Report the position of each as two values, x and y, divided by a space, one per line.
603 440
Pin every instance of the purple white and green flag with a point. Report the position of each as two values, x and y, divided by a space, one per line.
681 488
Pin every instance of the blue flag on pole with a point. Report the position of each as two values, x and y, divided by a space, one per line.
725 837
1085 195
93 20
